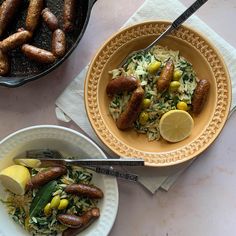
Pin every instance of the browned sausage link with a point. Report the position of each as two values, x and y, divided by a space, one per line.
45 176
84 190
7 12
15 40
200 95
87 219
121 84
50 19
58 43
69 12
38 54
4 63
166 76
33 14
130 114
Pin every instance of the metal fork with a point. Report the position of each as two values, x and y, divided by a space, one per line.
183 17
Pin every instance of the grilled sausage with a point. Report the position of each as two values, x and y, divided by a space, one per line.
15 40
33 14
50 19
84 190
38 54
200 95
69 13
166 76
45 176
121 84
7 11
78 223
4 63
58 43
130 114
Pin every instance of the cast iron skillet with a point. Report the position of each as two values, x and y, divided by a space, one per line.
24 70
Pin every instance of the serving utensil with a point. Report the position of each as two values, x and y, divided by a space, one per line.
179 21
39 158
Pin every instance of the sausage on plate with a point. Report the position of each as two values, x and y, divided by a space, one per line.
166 76
131 112
4 63
8 10
58 43
15 40
69 14
33 14
45 176
50 19
38 54
84 190
200 95
121 84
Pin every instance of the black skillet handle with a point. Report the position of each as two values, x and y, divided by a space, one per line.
91 3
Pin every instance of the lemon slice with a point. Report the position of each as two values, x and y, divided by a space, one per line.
32 163
15 178
176 125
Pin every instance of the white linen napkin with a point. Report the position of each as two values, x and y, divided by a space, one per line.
70 104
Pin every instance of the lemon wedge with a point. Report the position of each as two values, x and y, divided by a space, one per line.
14 178
32 163
176 125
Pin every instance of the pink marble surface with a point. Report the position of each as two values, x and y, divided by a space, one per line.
202 202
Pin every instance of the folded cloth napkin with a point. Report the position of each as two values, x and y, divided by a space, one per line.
70 104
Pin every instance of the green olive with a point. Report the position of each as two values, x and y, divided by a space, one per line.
47 209
174 85
143 118
55 202
177 74
63 204
153 67
146 103
182 106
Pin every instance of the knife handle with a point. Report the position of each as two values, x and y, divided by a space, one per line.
118 174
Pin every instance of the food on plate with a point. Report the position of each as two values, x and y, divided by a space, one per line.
166 76
33 14
168 82
50 19
8 10
58 43
69 15
176 125
121 84
84 190
38 54
15 178
49 208
131 111
4 63
200 95
15 40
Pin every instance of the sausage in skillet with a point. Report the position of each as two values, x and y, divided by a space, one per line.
77 224
15 40
45 176
38 54
130 114
166 76
69 14
58 43
8 10
4 63
84 190
121 84
33 14
50 19
200 96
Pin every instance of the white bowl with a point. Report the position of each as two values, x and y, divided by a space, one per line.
69 143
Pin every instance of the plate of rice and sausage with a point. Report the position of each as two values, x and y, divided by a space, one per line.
166 105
